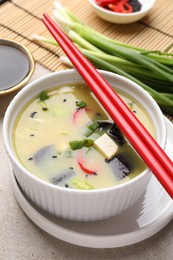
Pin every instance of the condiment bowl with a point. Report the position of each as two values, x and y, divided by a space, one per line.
16 66
123 18
72 204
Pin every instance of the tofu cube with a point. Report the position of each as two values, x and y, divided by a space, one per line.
106 146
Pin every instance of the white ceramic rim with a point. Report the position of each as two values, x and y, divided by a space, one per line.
143 10
31 85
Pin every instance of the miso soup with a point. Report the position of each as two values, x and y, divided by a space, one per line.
65 137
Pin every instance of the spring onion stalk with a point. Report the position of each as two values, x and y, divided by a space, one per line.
151 69
161 98
39 38
128 54
82 42
64 59
109 46
125 65
154 54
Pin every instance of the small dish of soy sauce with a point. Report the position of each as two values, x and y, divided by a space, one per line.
16 66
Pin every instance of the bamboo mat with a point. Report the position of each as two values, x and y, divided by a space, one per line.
20 19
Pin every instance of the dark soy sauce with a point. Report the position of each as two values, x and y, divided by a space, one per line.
14 66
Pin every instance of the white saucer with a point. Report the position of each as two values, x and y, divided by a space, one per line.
148 216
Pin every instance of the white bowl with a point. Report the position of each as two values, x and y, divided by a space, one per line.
123 18
81 205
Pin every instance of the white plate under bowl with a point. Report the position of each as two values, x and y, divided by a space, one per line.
148 216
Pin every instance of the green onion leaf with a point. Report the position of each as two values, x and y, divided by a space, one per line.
81 104
93 126
43 96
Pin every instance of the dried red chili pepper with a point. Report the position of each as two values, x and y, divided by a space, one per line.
106 2
84 169
77 112
120 6
124 7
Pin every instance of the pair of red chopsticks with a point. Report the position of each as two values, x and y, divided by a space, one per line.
155 158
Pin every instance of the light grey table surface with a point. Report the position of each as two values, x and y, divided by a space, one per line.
20 239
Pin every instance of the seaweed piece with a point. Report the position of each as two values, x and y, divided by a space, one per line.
136 5
103 124
120 166
44 153
63 177
103 127
116 134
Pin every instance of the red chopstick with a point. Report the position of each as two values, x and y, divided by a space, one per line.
155 158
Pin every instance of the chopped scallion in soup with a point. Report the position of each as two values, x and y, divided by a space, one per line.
65 137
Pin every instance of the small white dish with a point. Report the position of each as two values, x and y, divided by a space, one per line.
123 18
149 215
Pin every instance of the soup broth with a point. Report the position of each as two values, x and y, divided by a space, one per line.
59 137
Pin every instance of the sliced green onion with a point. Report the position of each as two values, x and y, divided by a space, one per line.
79 144
43 96
75 145
81 104
93 126
87 142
